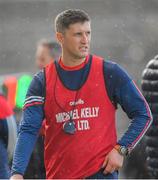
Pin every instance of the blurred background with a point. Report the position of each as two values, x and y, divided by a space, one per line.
125 31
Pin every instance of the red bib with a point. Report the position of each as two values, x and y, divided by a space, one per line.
81 154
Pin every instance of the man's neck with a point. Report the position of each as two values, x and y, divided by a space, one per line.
71 62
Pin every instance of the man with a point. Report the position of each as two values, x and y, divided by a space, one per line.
150 91
47 51
78 97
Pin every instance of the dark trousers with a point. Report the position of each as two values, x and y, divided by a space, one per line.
101 175
4 166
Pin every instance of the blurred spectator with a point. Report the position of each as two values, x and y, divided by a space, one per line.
47 51
136 163
150 91
6 118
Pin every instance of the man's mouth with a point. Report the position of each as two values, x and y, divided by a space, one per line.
85 48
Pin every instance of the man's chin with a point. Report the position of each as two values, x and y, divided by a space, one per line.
83 55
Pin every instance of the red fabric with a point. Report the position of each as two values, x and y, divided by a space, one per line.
81 154
73 68
5 108
42 130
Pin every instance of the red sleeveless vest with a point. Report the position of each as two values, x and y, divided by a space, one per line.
81 154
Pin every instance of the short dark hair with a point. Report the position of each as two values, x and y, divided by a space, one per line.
54 47
68 17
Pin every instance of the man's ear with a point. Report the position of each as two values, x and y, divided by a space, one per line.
60 37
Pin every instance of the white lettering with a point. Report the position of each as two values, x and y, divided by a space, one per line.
89 112
79 101
62 117
83 125
75 114
65 116
96 111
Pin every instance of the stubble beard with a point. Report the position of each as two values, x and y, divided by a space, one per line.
79 55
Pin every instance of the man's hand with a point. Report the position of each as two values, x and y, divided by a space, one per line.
17 176
113 161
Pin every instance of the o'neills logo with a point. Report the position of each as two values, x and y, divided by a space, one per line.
74 103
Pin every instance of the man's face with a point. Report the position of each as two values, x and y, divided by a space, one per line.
42 56
76 40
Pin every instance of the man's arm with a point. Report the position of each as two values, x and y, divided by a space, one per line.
121 89
30 124
138 111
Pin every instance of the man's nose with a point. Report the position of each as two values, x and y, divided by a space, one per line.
85 38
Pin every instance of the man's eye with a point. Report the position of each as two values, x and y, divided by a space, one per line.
78 34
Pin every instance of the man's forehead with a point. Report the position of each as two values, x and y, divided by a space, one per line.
80 26
42 48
